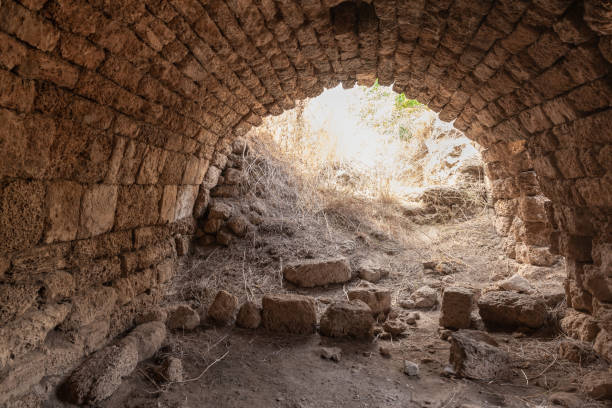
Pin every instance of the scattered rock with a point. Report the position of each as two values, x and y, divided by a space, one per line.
226 191
154 315
232 176
370 271
331 353
576 351
394 327
456 308
598 385
406 304
414 315
347 319
445 334
475 354
289 313
182 318
223 308
424 297
238 224
224 237
565 399
516 283
384 351
249 316
219 210
579 325
411 369
377 298
443 267
101 374
213 225
171 369
510 309
318 272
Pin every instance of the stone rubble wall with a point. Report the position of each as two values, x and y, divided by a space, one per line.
112 113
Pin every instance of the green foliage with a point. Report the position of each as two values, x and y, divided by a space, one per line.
404 134
401 102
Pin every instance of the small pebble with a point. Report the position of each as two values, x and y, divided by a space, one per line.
411 369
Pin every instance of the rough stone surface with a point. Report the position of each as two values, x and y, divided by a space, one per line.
289 313
456 308
182 318
377 298
347 319
371 271
223 309
476 355
171 369
424 297
317 272
598 385
249 316
510 309
107 128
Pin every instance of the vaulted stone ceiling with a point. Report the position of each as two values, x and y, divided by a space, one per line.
115 115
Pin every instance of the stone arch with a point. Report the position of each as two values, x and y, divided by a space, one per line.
115 114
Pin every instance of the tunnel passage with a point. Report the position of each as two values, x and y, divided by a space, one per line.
116 116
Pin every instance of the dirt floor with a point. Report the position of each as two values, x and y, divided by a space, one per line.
232 367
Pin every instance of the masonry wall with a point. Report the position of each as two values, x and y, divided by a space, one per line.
116 115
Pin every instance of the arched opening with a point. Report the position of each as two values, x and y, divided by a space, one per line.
115 114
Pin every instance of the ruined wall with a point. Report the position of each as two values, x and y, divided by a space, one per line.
113 112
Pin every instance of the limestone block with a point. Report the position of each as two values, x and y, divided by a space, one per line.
223 309
96 303
63 203
137 206
185 201
57 286
97 210
29 331
289 313
347 319
168 204
456 308
317 272
511 309
21 215
15 300
476 355
378 299
249 316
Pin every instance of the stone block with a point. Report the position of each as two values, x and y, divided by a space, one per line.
512 310
21 215
317 272
28 26
378 299
185 200
29 331
182 317
38 65
97 210
289 313
16 93
12 52
347 319
15 300
168 204
456 308
223 309
249 316
137 206
63 204
57 286
476 355
95 304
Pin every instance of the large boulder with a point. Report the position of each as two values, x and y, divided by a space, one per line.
289 313
377 298
456 308
510 310
475 354
347 319
318 272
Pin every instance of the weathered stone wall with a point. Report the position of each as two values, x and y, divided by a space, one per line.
112 111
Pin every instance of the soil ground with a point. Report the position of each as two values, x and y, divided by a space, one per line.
260 369
232 367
